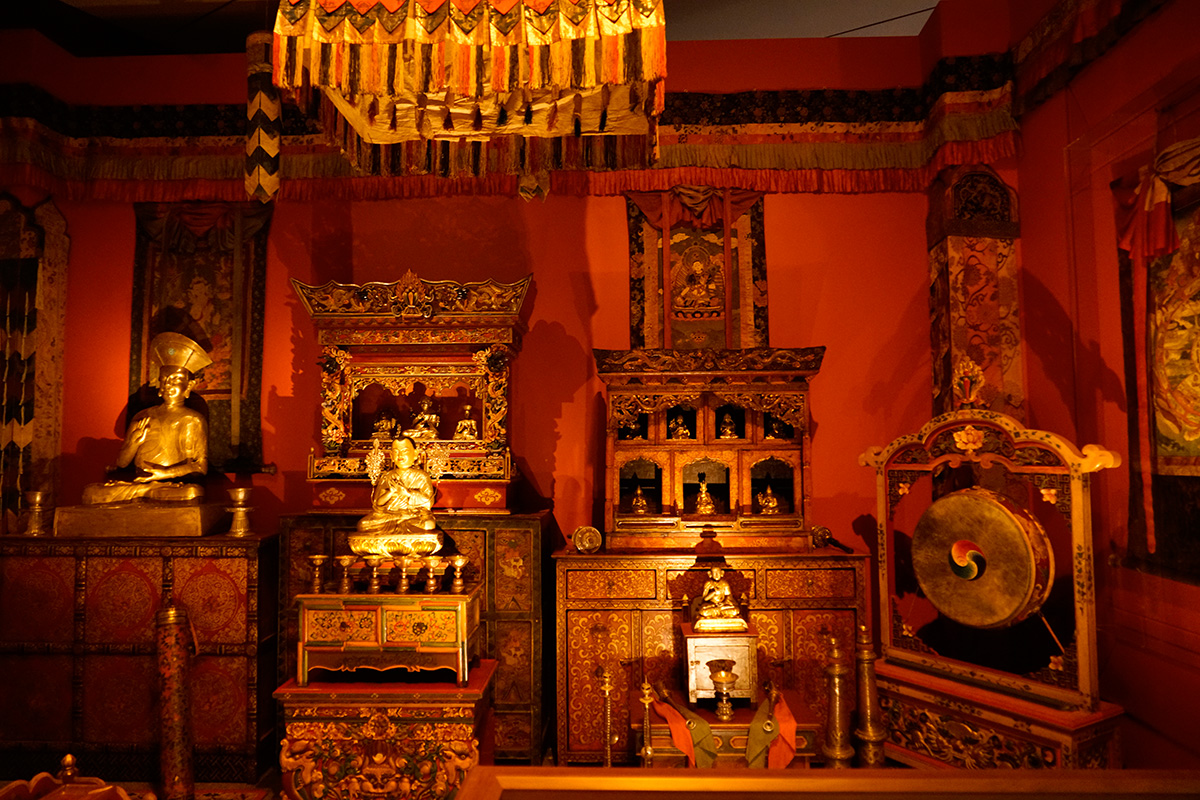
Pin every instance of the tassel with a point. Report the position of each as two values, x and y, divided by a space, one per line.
528 113
448 121
605 94
477 123
502 117
577 114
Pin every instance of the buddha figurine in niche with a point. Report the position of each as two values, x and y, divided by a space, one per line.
425 422
678 428
167 444
717 610
638 504
767 501
401 504
727 429
466 427
704 501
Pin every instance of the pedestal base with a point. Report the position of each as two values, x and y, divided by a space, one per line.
738 647
386 741
934 722
142 518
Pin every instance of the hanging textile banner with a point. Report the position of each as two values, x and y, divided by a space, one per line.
404 70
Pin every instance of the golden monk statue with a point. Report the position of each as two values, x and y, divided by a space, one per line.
425 422
401 520
728 429
466 427
678 428
639 504
768 502
716 610
704 501
168 442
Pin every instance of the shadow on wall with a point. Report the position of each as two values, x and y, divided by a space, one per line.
1063 359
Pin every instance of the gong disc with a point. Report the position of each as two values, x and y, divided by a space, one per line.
981 559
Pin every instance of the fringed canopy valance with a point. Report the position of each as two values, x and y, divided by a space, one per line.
405 70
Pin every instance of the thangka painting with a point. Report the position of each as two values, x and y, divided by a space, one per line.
697 269
201 271
1164 403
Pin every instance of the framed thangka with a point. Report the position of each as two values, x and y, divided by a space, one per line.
200 270
697 269
1161 317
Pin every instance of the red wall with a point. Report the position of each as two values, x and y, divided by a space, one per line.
848 272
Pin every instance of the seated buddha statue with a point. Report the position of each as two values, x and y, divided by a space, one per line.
768 502
717 610
466 428
704 500
424 423
401 504
167 444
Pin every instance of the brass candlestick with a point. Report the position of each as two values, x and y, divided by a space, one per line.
458 562
432 563
241 511
344 563
318 561
723 681
402 584
37 513
374 562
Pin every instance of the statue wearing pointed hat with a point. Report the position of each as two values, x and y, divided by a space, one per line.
167 444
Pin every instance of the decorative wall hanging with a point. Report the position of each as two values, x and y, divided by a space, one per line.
201 271
33 296
974 308
1160 264
469 70
710 290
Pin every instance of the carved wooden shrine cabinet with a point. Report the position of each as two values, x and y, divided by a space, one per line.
706 465
987 597
427 358
505 561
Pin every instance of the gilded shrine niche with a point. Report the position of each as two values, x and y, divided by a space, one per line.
417 358
708 443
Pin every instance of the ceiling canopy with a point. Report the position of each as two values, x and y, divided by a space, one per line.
405 70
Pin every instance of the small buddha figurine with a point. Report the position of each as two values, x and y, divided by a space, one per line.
466 427
167 443
767 501
638 504
401 502
425 422
775 429
716 610
385 425
704 501
727 429
678 428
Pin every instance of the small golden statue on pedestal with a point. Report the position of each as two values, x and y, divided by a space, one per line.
717 612
638 504
768 502
728 429
679 428
466 427
401 521
704 501
168 442
425 422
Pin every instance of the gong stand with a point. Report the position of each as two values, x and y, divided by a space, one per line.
987 603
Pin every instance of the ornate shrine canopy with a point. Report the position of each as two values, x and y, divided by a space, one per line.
408 70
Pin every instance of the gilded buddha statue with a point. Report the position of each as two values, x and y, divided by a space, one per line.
466 428
425 422
717 610
401 521
704 500
167 444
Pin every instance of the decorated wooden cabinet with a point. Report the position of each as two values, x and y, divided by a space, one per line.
77 652
706 465
504 553
625 611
